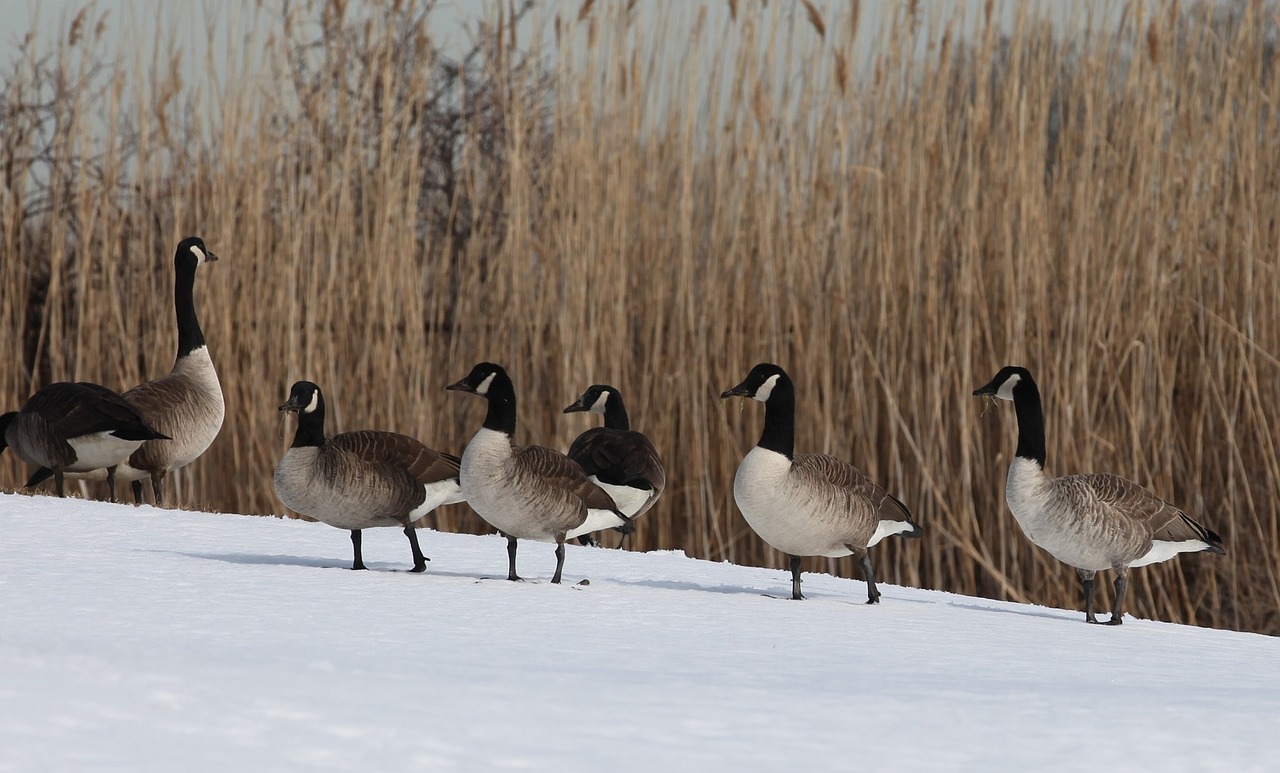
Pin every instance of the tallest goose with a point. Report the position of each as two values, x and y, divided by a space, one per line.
187 403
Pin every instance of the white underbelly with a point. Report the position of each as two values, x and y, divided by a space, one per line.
781 515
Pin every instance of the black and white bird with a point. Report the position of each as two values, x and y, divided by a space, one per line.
1092 522
186 405
809 504
75 427
615 457
361 480
529 492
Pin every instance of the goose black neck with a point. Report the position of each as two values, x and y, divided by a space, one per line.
1026 401
190 337
310 427
615 413
780 419
502 406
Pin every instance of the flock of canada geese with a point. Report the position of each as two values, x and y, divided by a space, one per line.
800 504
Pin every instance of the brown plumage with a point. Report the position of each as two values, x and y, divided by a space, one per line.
75 427
360 480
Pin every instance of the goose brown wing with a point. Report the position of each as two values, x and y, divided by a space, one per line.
1161 520
401 451
558 470
620 457
79 409
850 480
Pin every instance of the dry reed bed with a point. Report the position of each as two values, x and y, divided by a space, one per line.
661 206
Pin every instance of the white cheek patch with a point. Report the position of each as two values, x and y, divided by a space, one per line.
601 401
483 389
199 253
766 389
315 401
1005 392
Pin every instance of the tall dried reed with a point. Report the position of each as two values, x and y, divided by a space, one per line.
660 205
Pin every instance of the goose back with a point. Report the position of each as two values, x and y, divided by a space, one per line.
77 427
625 464
814 504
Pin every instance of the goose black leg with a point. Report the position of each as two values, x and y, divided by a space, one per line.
511 560
59 482
1086 580
157 488
1122 584
795 579
137 491
355 544
555 579
111 482
873 594
419 560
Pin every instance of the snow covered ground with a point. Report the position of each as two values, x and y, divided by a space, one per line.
138 639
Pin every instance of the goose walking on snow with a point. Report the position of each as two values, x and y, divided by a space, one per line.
360 480
529 492
75 427
809 504
1092 522
616 458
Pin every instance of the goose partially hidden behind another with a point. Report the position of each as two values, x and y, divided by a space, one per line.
1093 521
360 480
615 457
75 427
186 404
809 504
529 492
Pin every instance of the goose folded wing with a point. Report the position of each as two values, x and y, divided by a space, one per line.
401 451
849 479
558 470
622 458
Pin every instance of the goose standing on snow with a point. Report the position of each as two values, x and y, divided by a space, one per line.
359 480
75 427
186 405
1094 521
533 492
809 504
616 458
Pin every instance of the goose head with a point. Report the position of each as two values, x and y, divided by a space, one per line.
594 400
304 397
1010 380
191 253
759 383
480 380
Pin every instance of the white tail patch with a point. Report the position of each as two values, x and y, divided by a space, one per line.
444 492
628 498
1163 551
597 520
888 529
100 449
766 389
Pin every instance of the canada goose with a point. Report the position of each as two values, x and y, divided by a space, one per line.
617 459
1093 521
187 403
532 492
809 504
359 480
75 427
